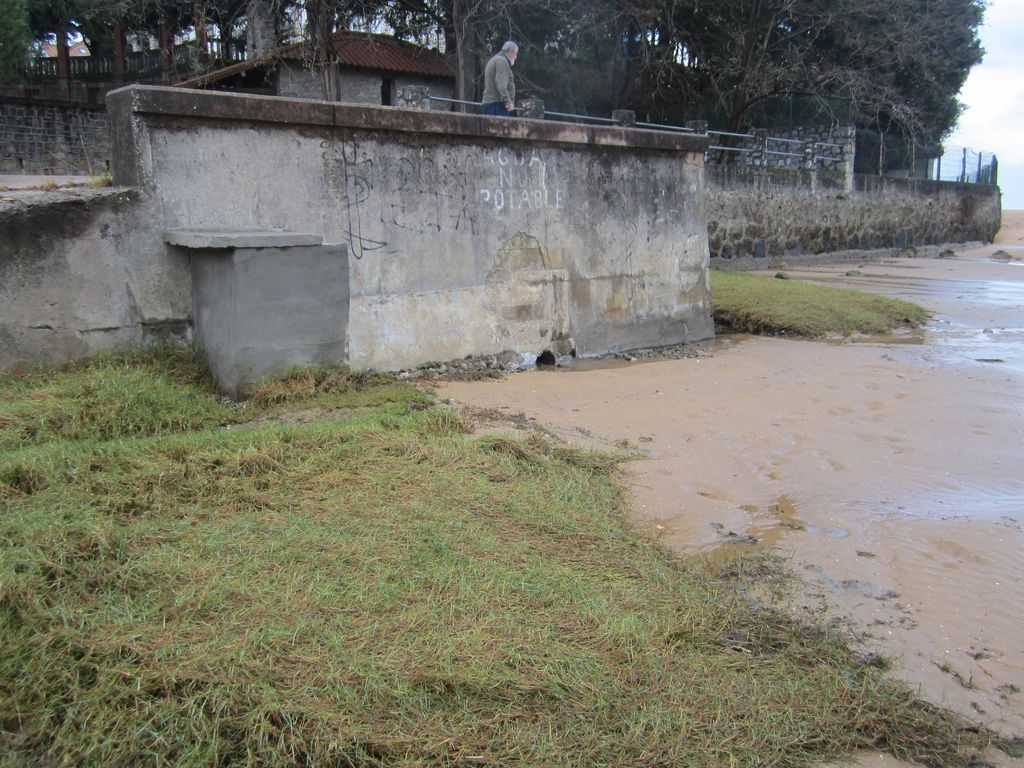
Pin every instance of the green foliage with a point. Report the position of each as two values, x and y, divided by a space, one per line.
14 37
759 304
107 398
890 65
376 587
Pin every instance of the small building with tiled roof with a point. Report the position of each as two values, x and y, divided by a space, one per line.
371 69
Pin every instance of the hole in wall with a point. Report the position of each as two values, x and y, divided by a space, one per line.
546 358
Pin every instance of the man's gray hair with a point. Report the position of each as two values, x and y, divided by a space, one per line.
509 46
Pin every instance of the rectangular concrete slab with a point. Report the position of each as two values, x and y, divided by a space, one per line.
240 238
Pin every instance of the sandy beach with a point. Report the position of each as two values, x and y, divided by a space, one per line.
887 471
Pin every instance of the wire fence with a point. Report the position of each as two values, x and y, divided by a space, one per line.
965 165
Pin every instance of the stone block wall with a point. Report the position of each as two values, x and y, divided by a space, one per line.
830 148
53 138
756 218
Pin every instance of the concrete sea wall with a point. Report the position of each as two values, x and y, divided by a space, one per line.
424 236
465 234
75 277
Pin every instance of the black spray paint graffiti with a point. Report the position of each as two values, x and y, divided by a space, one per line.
352 176
423 194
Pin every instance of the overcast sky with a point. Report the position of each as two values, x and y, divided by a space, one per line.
994 95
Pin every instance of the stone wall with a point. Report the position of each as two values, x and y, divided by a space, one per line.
466 234
757 217
826 148
53 138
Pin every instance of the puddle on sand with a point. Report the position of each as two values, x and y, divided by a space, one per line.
767 528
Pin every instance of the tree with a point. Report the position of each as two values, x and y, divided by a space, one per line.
889 62
14 37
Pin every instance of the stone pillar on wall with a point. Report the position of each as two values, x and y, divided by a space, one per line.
414 97
759 157
846 136
531 108
624 117
809 161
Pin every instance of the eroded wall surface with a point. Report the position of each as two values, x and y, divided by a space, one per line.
468 235
77 276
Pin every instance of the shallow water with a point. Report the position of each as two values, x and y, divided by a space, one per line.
888 470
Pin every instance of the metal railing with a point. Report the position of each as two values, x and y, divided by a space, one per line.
97 67
761 151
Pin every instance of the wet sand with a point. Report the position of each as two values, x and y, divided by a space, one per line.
890 472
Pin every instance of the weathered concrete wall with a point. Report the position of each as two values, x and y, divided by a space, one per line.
756 216
53 138
77 276
468 235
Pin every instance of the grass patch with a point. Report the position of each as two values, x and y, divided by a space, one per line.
108 397
379 588
759 304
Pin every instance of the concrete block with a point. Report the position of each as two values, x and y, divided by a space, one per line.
259 312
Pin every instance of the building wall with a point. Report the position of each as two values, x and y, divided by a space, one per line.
357 86
53 138
755 217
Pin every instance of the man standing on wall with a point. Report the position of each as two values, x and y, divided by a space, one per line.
499 89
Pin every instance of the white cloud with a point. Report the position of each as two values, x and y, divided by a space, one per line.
994 96
994 120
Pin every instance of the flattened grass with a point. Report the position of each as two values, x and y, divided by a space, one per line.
379 588
759 304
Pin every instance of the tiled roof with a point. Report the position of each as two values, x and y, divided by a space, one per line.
360 50
49 50
366 51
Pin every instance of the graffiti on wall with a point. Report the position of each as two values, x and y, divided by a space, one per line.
518 181
430 191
